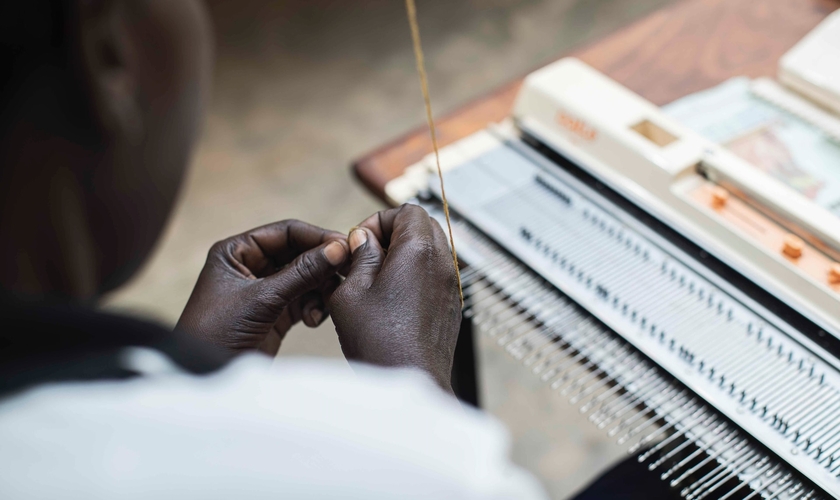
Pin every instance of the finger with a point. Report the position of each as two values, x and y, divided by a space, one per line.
441 237
344 269
313 311
377 224
442 240
320 301
390 226
311 307
329 289
272 341
266 249
367 255
413 241
309 271
271 344
288 318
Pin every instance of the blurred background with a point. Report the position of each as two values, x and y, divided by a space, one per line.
303 87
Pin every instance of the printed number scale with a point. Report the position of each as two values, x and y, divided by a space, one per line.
683 300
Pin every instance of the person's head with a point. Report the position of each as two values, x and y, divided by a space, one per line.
99 111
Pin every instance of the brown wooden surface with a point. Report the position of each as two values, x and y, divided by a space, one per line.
687 47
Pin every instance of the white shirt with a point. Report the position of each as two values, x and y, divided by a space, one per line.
300 430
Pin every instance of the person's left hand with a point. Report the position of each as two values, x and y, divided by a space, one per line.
258 284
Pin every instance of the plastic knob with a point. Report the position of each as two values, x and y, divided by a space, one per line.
793 246
834 274
719 197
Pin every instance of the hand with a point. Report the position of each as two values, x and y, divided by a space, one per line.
399 305
258 284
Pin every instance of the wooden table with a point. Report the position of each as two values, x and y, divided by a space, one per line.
689 46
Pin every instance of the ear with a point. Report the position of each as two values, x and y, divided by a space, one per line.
110 68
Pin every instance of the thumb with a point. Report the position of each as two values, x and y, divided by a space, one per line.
368 256
308 271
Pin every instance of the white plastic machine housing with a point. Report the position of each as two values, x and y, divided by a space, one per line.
594 121
812 67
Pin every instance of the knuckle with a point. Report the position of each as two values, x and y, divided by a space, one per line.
344 298
438 229
272 301
412 210
308 269
446 273
367 257
452 281
219 249
294 224
423 246
281 224
342 295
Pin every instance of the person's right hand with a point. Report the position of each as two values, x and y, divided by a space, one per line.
399 305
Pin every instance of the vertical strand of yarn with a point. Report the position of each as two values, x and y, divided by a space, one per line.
424 83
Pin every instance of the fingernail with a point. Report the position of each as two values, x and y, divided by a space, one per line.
316 316
357 239
335 253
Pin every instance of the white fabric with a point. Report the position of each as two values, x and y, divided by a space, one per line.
304 430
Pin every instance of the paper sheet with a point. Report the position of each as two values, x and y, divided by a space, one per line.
777 142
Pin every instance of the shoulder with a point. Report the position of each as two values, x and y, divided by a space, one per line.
45 342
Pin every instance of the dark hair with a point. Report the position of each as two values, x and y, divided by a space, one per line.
30 24
31 32
34 40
